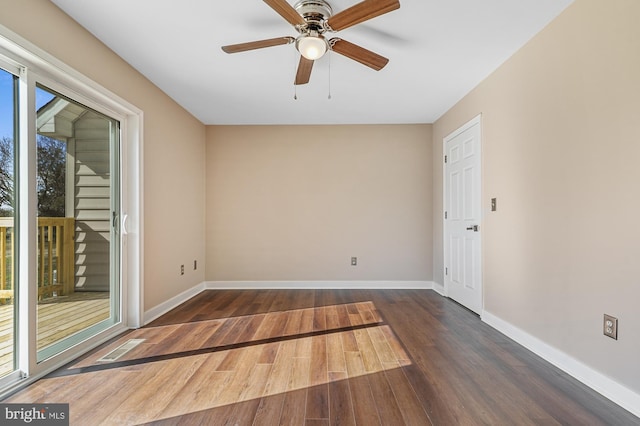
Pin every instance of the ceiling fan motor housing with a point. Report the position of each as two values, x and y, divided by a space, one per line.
315 13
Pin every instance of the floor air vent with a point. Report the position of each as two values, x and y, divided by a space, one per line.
121 350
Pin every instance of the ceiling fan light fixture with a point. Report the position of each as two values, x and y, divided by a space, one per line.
311 47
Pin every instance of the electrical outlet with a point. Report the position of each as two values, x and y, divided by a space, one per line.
610 327
354 261
181 269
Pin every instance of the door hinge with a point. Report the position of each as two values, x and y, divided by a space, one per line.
445 159
445 214
446 271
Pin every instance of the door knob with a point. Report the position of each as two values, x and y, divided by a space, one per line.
473 228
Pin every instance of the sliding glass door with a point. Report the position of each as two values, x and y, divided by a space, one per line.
70 178
78 210
60 280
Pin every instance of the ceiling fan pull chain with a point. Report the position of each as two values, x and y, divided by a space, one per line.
295 66
295 92
329 58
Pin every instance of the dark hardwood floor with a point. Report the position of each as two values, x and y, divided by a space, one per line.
320 357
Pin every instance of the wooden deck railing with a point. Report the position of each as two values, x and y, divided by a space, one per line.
56 275
7 266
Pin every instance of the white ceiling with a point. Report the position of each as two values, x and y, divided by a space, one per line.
438 49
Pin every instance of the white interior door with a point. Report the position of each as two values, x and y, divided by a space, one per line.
462 230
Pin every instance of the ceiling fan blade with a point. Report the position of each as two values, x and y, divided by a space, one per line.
304 70
357 53
361 12
242 47
287 11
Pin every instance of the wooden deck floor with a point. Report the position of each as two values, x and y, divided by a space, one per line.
57 319
311 357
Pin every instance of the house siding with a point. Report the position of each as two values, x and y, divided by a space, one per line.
92 203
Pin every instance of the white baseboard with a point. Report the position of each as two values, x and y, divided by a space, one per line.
165 307
621 395
439 288
318 285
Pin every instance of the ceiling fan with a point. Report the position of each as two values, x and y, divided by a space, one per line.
312 19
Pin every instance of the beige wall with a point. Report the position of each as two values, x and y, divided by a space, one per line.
295 203
173 145
561 148
560 152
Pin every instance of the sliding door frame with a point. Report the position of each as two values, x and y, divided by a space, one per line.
37 66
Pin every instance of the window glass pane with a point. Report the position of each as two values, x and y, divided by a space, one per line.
8 96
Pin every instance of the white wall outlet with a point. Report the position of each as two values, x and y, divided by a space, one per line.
610 327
